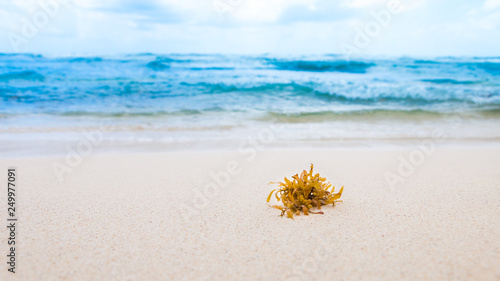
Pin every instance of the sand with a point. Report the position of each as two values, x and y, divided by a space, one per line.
130 216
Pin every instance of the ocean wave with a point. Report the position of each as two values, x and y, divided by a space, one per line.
450 81
22 75
321 66
86 59
426 62
493 68
253 88
21 55
157 65
211 68
199 85
177 59
356 94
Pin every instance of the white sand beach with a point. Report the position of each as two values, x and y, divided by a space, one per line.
130 216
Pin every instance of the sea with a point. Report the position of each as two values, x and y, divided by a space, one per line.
172 101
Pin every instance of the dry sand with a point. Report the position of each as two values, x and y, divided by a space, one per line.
123 217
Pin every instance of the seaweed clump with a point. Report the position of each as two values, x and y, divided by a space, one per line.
304 192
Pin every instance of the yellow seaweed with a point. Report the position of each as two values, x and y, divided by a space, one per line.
304 192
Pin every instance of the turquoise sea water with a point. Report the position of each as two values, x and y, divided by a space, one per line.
220 93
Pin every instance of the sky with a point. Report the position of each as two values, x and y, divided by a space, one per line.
423 28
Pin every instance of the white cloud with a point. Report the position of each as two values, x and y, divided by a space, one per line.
446 27
490 5
264 10
362 3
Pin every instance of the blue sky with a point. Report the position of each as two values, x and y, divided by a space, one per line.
91 27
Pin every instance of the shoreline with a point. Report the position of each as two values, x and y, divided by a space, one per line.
16 149
17 138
